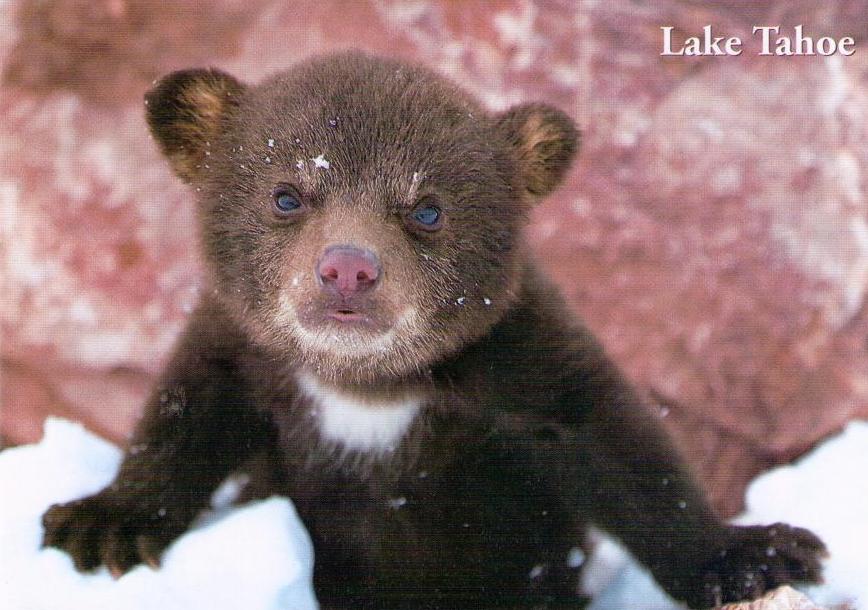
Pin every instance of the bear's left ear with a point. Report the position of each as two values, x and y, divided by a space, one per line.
545 141
185 111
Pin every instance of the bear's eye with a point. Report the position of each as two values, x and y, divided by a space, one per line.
427 216
287 201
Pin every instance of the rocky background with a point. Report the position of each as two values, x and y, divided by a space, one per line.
713 233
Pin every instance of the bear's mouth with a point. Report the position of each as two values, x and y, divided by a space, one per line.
348 316
357 328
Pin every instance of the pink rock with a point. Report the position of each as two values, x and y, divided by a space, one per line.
713 233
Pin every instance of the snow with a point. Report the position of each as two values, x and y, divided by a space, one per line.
826 491
396 503
575 558
259 557
320 161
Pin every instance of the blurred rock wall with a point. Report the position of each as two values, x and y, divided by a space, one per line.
713 233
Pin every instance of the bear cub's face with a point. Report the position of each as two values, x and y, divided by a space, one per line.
359 215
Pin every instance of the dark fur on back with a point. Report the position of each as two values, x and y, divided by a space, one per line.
521 432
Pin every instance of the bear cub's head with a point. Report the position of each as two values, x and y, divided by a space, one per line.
359 216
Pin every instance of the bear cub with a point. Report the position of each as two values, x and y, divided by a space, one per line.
375 343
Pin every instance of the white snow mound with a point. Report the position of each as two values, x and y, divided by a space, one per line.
825 491
258 557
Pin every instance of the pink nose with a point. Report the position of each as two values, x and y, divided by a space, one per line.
348 270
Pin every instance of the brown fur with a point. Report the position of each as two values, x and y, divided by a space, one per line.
526 433
185 113
545 141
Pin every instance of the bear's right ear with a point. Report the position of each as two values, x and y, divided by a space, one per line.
185 110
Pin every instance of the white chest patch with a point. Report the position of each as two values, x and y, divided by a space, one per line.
357 424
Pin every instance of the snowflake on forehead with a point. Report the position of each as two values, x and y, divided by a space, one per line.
320 161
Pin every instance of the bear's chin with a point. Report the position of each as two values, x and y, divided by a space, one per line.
355 364
350 353
349 334
345 325
355 335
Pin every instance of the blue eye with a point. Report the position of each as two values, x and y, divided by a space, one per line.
286 201
428 216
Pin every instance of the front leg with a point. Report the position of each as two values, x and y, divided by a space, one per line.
198 427
631 481
613 459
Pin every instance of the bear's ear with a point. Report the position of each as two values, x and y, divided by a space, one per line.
184 112
545 141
